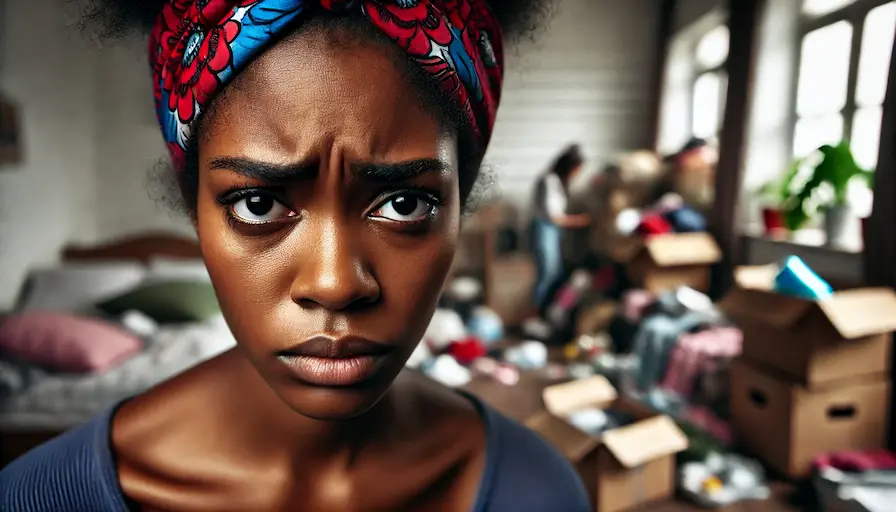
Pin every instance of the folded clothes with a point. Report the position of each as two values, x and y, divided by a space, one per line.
858 461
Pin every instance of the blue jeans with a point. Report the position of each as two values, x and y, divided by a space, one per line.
545 240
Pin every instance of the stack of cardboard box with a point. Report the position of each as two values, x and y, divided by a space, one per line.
814 376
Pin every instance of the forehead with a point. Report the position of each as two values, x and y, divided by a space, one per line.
315 89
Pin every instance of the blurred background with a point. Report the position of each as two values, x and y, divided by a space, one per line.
644 149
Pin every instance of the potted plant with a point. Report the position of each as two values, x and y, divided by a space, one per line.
773 196
826 189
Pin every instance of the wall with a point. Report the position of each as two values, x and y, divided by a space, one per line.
51 197
587 80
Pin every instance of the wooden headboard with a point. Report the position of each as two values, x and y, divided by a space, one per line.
141 247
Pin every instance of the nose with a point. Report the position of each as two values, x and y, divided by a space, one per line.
331 272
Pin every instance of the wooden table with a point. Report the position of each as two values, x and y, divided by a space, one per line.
521 401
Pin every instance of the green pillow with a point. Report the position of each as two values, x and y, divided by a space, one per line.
167 301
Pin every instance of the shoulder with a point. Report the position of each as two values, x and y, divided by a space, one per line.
528 473
73 472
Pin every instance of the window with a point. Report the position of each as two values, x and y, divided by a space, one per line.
844 62
711 83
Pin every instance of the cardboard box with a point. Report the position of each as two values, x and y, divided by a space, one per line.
623 468
665 262
816 342
508 287
787 425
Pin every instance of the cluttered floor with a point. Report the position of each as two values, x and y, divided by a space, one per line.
773 398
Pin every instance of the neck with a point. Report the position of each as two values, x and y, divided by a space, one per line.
274 429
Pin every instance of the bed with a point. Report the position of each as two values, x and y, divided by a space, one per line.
45 403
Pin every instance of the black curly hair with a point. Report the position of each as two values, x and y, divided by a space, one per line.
116 19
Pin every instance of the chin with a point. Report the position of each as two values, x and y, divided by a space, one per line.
331 403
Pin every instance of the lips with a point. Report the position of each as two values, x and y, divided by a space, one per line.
334 362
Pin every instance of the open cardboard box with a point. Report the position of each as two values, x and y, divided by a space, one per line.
624 467
816 342
664 262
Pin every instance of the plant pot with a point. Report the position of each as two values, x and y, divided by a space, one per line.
773 220
837 222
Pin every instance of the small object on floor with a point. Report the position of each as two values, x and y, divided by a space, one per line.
445 327
527 355
502 372
571 351
798 280
723 479
555 371
593 345
627 221
486 325
446 370
419 356
467 350
538 329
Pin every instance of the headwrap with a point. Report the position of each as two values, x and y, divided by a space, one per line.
197 46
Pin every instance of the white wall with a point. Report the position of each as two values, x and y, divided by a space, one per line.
587 80
51 197
91 135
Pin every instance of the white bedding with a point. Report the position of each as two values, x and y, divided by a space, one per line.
55 401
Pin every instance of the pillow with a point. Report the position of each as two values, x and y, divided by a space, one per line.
172 301
64 342
75 288
169 269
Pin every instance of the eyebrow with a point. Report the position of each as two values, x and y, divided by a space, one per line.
278 173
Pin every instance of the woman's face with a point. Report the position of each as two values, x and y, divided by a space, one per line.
328 216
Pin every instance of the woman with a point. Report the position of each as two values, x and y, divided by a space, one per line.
549 218
324 149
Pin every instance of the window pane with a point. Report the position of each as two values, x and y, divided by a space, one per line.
712 50
822 7
874 61
824 70
812 133
706 105
865 139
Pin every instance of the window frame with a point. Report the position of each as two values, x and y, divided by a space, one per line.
854 14
698 70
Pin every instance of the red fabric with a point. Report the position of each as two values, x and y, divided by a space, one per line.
467 350
857 461
654 225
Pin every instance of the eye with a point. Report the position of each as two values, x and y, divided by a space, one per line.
259 208
405 208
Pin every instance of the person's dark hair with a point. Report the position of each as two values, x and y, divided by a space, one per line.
112 19
568 161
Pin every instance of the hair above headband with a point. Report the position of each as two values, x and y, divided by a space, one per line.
197 46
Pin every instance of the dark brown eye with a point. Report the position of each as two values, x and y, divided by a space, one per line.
259 208
404 208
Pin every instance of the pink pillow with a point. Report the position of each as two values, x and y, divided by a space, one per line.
65 343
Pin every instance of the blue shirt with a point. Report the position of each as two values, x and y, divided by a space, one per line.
76 472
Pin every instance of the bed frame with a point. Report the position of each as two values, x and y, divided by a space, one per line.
142 248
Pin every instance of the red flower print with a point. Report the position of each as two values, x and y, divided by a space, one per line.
414 28
203 59
457 11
